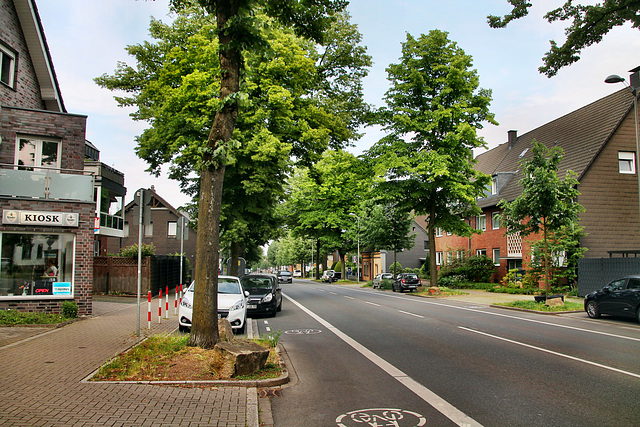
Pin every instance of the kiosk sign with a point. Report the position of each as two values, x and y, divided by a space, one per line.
56 219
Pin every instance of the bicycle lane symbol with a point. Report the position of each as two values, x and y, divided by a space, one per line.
303 331
381 417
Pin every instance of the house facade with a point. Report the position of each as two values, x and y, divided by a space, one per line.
167 225
599 145
46 197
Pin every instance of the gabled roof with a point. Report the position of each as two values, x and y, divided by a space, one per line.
40 56
581 134
156 202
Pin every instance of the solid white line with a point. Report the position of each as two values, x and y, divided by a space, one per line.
411 314
599 365
444 407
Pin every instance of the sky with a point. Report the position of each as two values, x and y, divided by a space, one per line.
87 38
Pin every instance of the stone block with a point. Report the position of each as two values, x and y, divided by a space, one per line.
240 357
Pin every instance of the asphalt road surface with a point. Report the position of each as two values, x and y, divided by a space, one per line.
362 357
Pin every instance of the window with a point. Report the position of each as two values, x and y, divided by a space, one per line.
481 252
438 231
36 264
37 152
496 256
438 258
494 186
426 245
626 162
481 222
495 220
172 229
148 230
7 65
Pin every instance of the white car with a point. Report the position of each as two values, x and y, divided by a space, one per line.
232 304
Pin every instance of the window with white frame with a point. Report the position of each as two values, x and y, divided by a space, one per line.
438 231
148 230
438 258
32 152
172 229
496 256
7 65
495 220
481 252
481 222
627 162
494 185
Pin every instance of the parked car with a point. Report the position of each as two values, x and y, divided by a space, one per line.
406 282
377 281
297 273
327 276
620 297
284 277
265 296
232 304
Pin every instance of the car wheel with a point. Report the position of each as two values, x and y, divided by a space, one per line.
393 288
183 328
592 310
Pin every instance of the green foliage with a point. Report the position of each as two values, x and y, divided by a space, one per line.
337 266
132 251
386 284
451 281
433 111
395 269
540 306
424 269
70 309
14 317
479 268
588 25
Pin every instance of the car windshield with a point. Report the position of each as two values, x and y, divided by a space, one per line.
225 286
285 273
410 276
256 283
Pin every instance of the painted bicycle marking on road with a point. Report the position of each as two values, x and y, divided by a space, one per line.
381 417
303 331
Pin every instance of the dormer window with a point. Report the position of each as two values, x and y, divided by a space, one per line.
7 65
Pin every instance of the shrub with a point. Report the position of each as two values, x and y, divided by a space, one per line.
337 266
132 251
479 268
425 269
398 268
70 309
451 281
386 284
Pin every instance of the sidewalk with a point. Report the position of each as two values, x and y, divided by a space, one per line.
41 380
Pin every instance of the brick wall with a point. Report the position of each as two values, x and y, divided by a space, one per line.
26 91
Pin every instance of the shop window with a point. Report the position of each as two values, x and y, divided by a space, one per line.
36 264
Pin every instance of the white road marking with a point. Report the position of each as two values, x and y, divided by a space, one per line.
268 328
333 293
438 403
411 314
372 303
346 296
588 362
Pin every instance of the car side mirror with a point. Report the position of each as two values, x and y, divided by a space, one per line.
246 293
606 289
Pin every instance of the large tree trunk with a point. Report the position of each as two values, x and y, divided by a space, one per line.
234 268
204 328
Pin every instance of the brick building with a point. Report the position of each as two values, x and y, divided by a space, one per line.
46 197
164 231
600 147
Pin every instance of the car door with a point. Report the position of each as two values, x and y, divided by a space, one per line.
627 299
609 301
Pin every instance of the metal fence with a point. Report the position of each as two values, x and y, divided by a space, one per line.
595 273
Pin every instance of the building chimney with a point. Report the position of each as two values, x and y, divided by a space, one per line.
512 138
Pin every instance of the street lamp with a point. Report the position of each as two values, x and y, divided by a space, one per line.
634 85
358 263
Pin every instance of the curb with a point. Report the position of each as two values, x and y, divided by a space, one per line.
535 311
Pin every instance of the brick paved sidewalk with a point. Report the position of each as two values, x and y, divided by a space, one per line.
41 381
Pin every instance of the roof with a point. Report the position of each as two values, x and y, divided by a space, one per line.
582 134
40 56
159 202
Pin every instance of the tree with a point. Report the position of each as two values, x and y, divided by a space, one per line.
385 227
547 204
434 107
589 24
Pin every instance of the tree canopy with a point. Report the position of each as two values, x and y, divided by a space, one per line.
434 107
588 25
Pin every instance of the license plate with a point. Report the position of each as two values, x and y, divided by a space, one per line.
252 306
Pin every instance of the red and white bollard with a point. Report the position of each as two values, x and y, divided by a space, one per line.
149 316
175 303
159 305
166 310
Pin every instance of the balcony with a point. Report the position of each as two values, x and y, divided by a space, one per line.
46 183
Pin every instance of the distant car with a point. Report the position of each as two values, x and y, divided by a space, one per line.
406 282
377 281
232 304
297 273
620 297
327 276
265 296
284 277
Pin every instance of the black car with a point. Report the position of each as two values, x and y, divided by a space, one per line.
619 298
406 282
284 277
265 296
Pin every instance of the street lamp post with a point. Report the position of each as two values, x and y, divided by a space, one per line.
634 85
358 263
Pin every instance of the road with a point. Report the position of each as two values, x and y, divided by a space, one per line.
362 357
